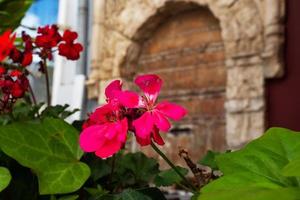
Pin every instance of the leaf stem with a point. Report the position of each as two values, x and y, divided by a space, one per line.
173 167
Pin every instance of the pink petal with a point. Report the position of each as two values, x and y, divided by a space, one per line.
171 110
143 125
92 138
109 148
150 84
161 121
157 138
112 87
111 131
128 99
123 130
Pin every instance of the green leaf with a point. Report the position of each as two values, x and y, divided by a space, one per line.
69 197
136 169
96 193
210 160
5 178
130 194
58 111
50 148
12 12
256 170
292 169
153 193
254 193
169 177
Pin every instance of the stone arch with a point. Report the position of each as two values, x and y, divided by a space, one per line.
252 31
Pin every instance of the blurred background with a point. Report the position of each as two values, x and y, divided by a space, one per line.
234 64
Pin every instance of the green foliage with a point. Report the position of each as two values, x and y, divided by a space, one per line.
292 169
58 111
12 12
135 170
50 149
131 194
5 178
266 169
210 160
169 177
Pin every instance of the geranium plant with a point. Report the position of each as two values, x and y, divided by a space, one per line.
39 145
42 156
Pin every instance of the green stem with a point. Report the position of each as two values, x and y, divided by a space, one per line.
32 95
113 162
47 82
173 167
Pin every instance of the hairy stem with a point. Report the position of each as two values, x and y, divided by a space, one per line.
47 82
173 167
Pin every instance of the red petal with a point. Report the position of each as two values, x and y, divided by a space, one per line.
109 148
157 138
144 125
128 99
27 59
92 138
171 110
112 87
150 84
142 141
161 121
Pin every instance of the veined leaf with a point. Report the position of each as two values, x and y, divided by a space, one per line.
50 148
255 172
5 178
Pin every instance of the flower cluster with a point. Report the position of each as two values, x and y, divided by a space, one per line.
16 56
106 129
13 85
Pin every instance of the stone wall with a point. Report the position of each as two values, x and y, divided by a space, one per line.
252 37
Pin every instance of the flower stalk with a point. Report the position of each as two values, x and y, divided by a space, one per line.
47 82
194 189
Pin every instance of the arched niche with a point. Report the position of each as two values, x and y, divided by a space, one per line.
252 34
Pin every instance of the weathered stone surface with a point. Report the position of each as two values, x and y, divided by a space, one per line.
245 105
245 82
243 127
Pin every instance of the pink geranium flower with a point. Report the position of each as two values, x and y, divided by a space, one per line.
106 129
156 116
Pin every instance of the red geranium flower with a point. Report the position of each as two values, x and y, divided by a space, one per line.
69 49
48 37
6 44
106 129
2 70
156 116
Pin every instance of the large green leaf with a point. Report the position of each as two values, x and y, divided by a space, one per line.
12 12
255 172
5 178
292 169
169 177
50 148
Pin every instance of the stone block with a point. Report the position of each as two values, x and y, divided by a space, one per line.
245 82
243 127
